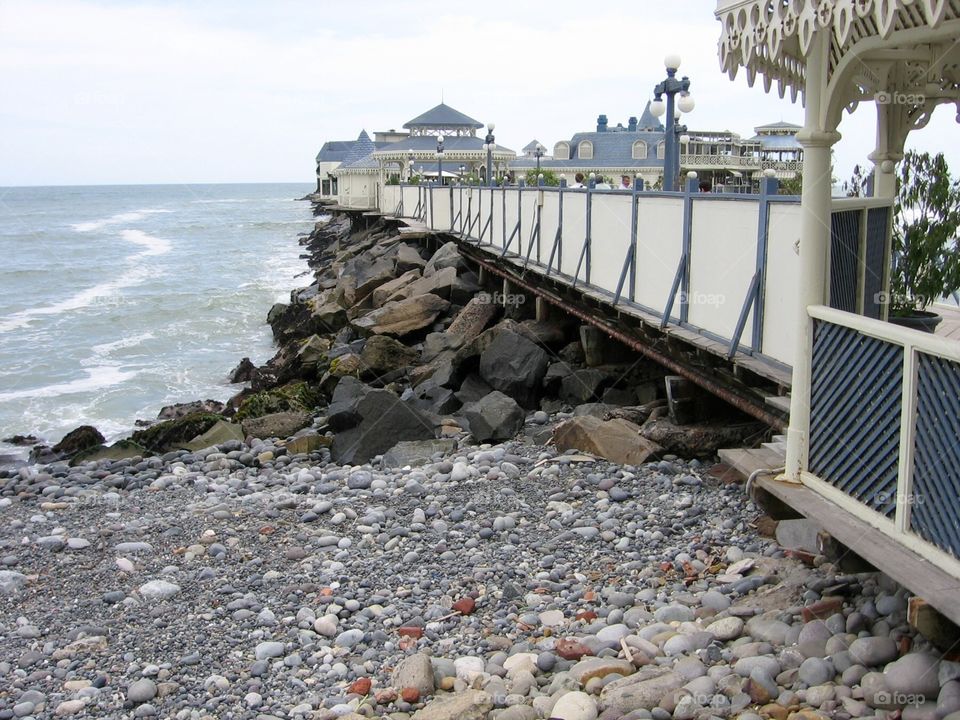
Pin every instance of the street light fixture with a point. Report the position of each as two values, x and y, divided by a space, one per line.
440 159
489 143
410 165
671 87
538 153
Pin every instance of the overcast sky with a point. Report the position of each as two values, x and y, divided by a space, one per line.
117 91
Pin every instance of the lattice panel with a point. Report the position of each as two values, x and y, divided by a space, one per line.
875 259
855 414
844 247
935 512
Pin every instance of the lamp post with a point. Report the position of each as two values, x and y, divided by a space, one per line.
440 159
463 169
671 87
538 153
410 165
489 143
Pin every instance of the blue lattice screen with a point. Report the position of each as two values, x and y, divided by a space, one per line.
935 509
855 404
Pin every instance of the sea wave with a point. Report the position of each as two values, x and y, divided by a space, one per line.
122 344
96 378
137 274
118 219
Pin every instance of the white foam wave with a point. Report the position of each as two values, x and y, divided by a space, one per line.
218 201
153 246
118 219
97 378
121 344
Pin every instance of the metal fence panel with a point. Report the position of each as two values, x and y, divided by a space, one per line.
875 261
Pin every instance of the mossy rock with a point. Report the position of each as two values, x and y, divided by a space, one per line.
173 434
296 396
120 450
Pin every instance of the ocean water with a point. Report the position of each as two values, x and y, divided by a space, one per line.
118 300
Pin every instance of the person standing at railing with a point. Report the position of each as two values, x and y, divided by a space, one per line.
578 181
625 183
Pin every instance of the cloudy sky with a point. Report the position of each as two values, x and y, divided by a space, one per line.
118 91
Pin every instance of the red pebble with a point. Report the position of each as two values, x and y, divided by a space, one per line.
411 631
407 643
464 606
586 615
570 649
361 686
410 695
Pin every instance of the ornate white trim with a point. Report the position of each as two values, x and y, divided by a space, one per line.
772 37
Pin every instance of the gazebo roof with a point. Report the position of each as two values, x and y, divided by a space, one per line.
443 116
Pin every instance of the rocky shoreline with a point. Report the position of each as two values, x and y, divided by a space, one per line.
397 519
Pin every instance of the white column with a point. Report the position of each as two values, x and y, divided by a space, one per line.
816 140
889 151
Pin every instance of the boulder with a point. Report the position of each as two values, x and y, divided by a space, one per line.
328 317
175 434
402 317
472 319
313 351
85 437
220 432
515 366
382 354
298 395
242 373
383 293
306 444
433 397
384 421
278 425
347 364
439 283
473 388
408 258
494 417
448 256
616 440
416 452
343 412
584 385
699 439
371 276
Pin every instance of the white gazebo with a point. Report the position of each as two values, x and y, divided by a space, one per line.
874 421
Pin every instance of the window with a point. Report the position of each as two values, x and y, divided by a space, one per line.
561 151
639 150
661 151
585 150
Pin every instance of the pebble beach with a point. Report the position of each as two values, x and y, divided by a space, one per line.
446 577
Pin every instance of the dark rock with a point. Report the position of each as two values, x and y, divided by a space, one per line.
243 372
448 256
174 412
515 366
387 291
408 258
699 439
297 396
21 440
583 385
494 417
382 354
175 434
472 389
82 438
384 421
343 412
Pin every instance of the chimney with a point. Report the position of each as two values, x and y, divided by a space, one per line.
632 124
602 123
